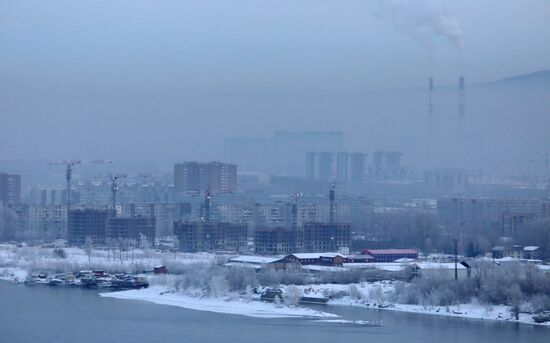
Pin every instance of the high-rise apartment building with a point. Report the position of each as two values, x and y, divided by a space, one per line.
131 228
84 223
341 166
217 177
10 189
205 236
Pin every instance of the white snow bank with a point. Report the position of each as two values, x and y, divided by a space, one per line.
13 274
162 295
469 311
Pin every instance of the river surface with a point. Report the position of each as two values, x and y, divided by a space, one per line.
46 314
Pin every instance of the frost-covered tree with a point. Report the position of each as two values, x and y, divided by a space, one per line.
376 294
176 245
248 293
354 292
88 245
292 295
218 286
59 253
144 244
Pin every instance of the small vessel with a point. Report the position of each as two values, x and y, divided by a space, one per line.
542 317
314 300
37 279
55 282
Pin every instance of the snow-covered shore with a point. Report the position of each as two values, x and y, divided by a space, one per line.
17 262
370 295
13 274
164 296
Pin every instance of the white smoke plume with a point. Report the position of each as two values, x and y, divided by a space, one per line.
422 20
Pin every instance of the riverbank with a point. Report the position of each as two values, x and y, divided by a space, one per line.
206 272
370 295
228 305
13 274
54 314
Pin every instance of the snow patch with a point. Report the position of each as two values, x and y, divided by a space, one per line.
164 296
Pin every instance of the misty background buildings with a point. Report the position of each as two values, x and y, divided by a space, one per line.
238 139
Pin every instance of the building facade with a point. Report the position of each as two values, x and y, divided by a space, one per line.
10 189
88 222
274 241
321 237
202 236
133 228
216 177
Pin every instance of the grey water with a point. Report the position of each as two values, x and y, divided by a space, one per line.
46 314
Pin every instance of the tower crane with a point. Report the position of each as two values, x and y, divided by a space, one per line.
70 164
114 188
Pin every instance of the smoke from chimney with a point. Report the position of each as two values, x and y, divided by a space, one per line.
461 97
422 20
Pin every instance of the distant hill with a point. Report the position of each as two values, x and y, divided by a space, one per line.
538 78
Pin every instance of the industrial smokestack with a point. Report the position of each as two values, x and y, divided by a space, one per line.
461 96
430 97
331 198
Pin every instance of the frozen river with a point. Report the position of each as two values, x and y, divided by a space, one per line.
44 314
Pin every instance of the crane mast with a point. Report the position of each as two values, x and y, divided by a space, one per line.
69 164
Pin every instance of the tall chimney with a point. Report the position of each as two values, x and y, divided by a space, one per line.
331 198
430 97
461 96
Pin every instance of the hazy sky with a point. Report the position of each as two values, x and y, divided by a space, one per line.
280 45
76 71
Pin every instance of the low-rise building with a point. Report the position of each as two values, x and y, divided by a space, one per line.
260 262
320 259
390 255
